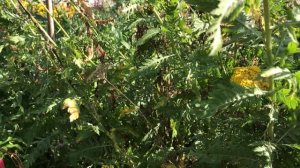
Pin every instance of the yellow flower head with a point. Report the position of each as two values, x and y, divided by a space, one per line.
25 3
39 9
246 77
65 9
73 108
71 11
59 9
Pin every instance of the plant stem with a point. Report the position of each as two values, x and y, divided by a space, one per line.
273 114
268 42
50 18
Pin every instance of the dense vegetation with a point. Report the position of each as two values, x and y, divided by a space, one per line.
150 83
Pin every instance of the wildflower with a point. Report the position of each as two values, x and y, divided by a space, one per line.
71 11
39 9
60 8
246 77
73 108
25 3
68 10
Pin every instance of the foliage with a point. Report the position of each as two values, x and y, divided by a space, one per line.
149 84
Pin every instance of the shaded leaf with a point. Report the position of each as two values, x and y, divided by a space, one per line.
204 5
146 37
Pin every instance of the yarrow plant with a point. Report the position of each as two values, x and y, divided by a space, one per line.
247 77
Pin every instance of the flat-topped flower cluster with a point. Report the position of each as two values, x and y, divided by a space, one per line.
247 77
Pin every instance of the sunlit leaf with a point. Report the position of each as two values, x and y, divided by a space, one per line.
17 39
291 100
1 48
225 8
217 41
295 146
154 62
293 48
277 73
297 75
264 149
173 127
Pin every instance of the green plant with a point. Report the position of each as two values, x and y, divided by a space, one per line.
152 82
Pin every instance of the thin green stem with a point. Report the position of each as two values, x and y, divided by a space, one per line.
269 60
268 32
273 114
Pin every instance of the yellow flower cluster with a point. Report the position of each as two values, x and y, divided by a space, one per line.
40 9
59 9
73 108
246 77
66 9
25 3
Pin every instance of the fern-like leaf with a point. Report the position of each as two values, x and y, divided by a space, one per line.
225 96
154 62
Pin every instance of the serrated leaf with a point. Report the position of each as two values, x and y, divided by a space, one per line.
293 48
96 129
292 102
130 9
284 92
289 99
51 106
154 62
173 127
225 96
146 37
